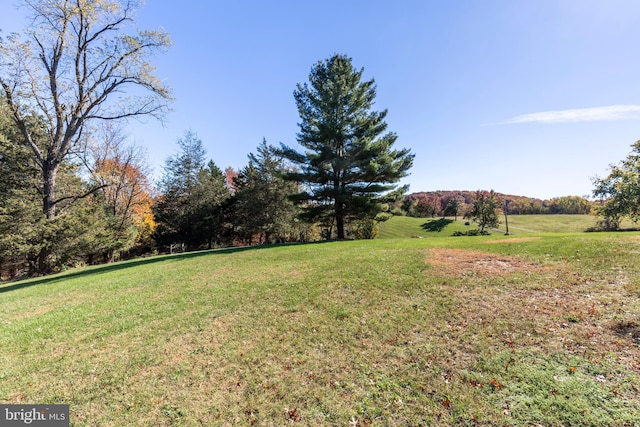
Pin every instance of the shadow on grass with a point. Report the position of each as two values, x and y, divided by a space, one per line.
628 329
106 268
436 224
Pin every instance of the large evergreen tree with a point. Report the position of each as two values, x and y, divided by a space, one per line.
19 204
76 234
349 166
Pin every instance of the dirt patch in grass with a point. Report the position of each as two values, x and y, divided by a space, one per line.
557 310
633 239
628 329
457 262
37 311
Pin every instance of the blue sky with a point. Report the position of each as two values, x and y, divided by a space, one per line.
524 97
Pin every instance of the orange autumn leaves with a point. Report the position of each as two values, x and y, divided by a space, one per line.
127 193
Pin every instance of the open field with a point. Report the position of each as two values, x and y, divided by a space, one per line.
525 224
516 330
402 226
405 227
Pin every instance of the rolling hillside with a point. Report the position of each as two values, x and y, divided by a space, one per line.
385 332
402 226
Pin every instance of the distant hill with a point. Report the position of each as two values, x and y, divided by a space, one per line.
435 203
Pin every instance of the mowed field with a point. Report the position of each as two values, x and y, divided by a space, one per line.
403 226
535 328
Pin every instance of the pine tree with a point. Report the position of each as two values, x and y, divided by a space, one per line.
208 207
172 211
261 204
190 210
20 207
349 165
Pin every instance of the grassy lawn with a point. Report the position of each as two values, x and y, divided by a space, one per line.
525 224
493 330
403 226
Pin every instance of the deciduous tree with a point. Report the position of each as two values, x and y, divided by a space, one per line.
74 66
569 205
485 209
120 170
620 191
452 205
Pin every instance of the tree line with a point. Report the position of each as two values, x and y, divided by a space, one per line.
340 187
74 192
458 203
201 206
112 211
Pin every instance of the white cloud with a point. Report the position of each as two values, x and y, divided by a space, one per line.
609 113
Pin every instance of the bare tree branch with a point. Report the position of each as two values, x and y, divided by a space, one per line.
73 68
75 198
22 124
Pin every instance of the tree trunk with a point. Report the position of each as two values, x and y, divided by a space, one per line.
44 261
339 208
49 174
340 224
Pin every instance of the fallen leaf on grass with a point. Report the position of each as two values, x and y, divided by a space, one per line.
292 414
495 383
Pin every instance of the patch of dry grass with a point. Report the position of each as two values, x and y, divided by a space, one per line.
560 308
453 262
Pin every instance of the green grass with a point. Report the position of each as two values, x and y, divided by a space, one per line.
405 227
402 226
526 224
444 331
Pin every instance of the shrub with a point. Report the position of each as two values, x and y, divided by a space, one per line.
364 229
477 232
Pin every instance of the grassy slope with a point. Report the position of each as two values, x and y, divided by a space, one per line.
524 224
402 226
386 332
